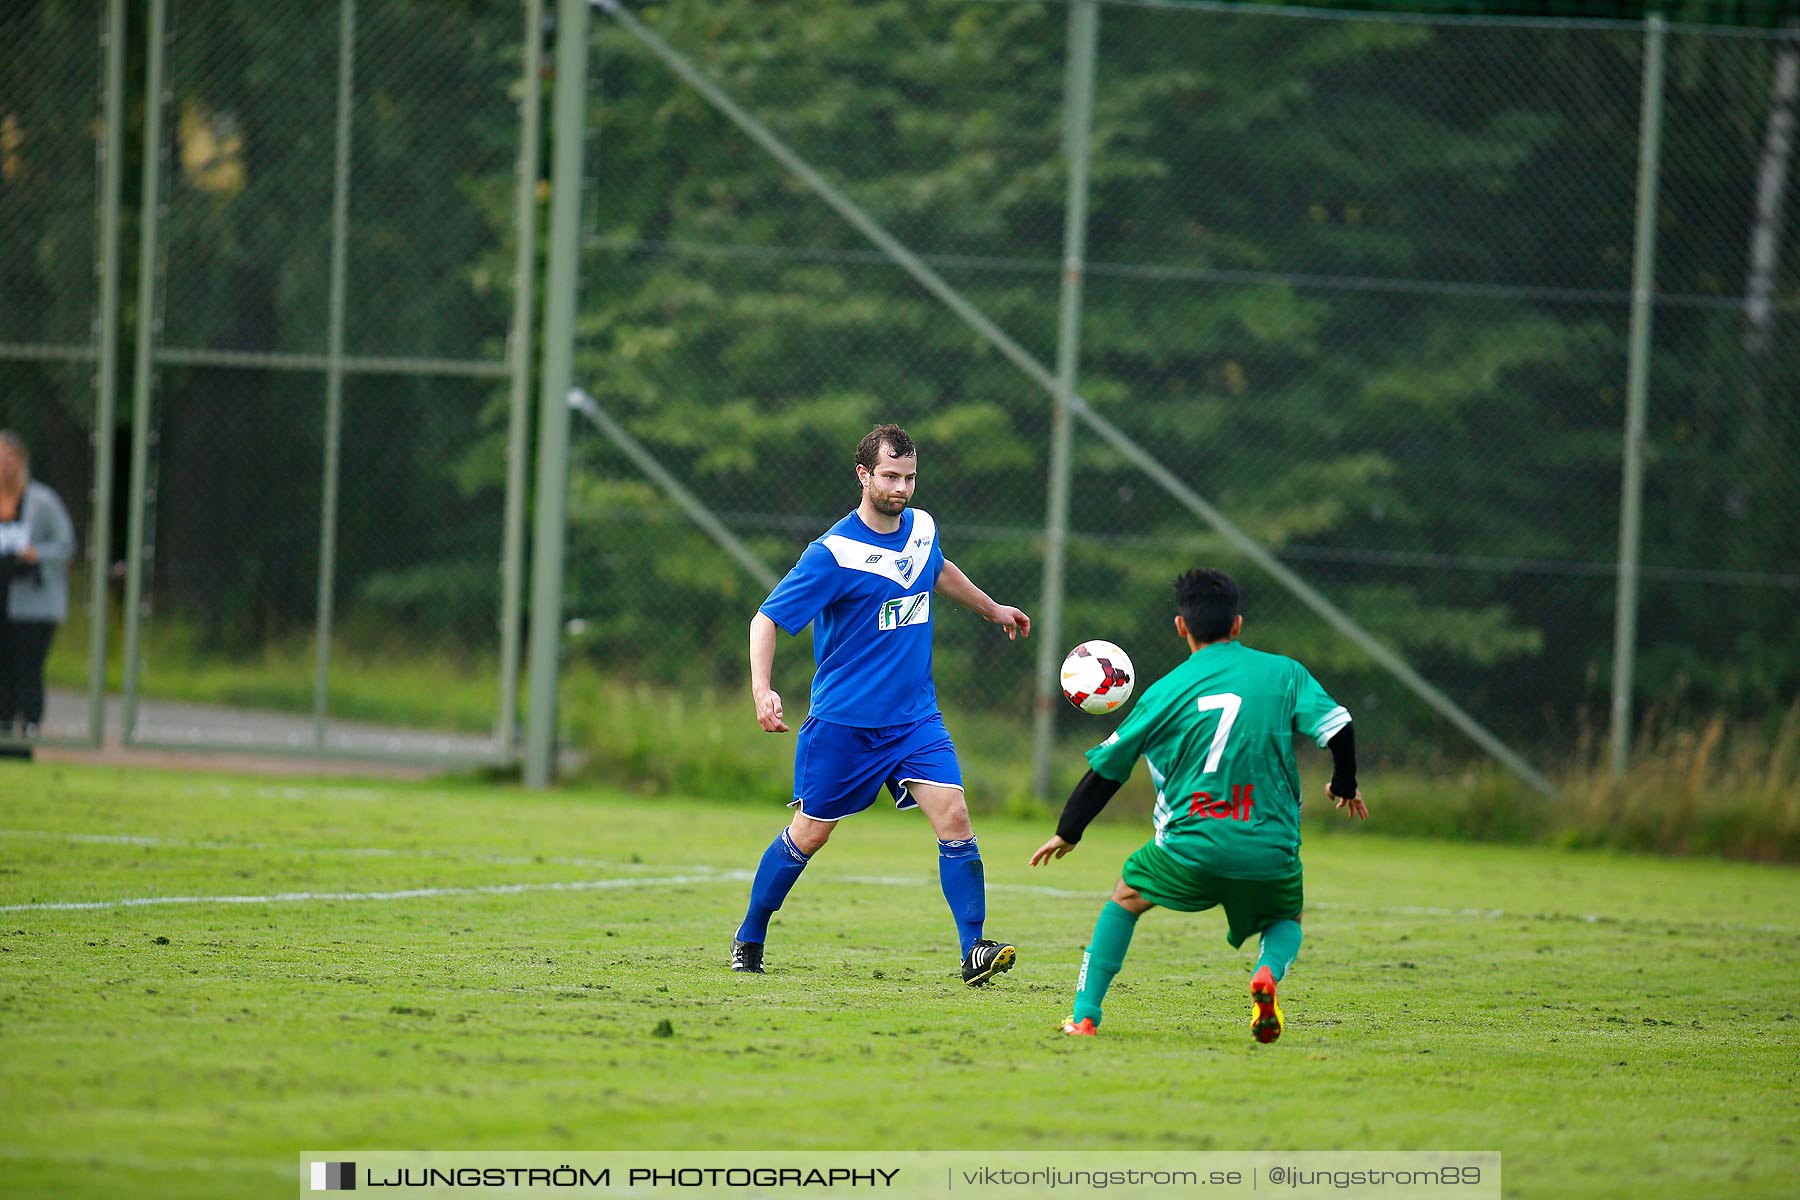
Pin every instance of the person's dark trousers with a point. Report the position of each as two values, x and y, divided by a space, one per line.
24 645
9 704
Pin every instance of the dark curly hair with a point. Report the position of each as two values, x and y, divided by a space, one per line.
892 436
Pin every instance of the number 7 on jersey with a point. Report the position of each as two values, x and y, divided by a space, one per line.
1226 704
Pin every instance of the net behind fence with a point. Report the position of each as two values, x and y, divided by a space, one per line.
325 468
330 414
1363 284
51 117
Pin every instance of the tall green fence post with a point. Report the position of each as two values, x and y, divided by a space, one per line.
1637 385
148 323
334 368
518 428
1078 111
106 383
553 389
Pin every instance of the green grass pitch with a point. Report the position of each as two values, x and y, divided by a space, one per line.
1617 1026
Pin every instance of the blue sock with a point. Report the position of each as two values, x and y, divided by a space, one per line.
959 870
1280 946
781 865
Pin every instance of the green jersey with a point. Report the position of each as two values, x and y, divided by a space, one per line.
1218 735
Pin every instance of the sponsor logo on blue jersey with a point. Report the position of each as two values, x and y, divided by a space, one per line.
905 610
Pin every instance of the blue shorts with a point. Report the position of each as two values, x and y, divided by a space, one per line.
839 769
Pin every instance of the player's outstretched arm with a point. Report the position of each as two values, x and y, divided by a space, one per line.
1342 787
954 585
762 666
1083 805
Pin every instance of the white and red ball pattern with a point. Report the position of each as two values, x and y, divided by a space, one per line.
1097 677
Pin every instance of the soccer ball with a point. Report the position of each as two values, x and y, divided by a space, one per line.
1097 677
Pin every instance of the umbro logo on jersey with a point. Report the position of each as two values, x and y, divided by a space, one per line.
873 558
904 610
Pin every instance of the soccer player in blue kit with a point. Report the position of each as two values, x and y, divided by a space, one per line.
866 587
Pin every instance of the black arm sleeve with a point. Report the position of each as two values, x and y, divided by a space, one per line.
1343 762
1084 804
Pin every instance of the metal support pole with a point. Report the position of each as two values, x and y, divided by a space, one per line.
1078 111
1771 195
148 326
518 349
1631 503
1774 170
334 367
106 393
553 389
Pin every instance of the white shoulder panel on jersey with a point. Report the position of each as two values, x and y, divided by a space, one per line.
1330 724
902 566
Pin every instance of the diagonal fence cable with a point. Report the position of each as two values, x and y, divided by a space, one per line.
581 402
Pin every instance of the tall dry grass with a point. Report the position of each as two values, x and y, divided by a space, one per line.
1709 787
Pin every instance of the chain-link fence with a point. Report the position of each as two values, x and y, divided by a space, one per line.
1361 283
55 104
1355 323
319 540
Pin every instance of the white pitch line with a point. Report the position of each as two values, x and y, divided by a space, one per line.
126 839
496 889
699 873
1397 910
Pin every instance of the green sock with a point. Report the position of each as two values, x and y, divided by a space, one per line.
1105 955
1280 945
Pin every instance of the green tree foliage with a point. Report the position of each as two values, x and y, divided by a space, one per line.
1362 284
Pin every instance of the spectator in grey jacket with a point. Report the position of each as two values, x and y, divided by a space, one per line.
37 540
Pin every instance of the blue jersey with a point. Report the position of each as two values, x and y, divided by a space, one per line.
868 597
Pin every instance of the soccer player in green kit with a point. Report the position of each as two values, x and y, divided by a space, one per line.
1218 734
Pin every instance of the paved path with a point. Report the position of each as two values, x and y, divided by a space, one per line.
256 740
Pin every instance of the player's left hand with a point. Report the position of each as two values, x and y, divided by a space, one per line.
1014 621
1352 804
1054 848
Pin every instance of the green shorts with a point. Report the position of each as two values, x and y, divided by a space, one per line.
1251 905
